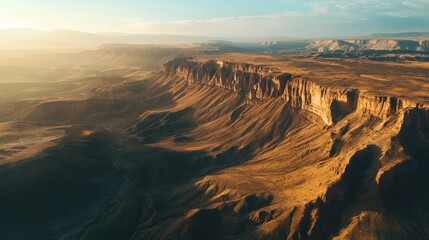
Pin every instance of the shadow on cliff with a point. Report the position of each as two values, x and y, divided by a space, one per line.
404 190
322 217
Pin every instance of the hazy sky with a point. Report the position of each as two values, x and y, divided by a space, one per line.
295 18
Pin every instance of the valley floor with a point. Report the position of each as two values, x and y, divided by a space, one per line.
130 154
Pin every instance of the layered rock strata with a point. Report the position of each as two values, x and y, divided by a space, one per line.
260 82
371 44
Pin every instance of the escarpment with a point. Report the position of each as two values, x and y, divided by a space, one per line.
285 147
261 82
368 44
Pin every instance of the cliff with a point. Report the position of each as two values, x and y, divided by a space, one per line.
371 44
259 82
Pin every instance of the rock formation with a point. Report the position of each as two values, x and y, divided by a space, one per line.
293 148
372 44
260 82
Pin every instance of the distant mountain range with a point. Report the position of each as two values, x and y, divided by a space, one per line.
405 35
24 38
62 39
372 44
29 38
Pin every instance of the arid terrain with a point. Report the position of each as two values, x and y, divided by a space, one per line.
215 141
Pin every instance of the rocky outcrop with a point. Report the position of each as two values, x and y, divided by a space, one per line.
261 82
330 104
424 43
372 44
254 81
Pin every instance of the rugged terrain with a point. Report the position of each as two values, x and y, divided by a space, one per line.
373 49
370 44
226 146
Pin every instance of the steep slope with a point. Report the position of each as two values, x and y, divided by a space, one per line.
308 179
259 82
223 150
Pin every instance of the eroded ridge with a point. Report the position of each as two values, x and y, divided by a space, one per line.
261 82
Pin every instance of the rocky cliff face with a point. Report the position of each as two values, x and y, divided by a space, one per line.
372 44
260 82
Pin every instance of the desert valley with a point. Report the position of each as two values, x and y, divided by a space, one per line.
133 142
210 122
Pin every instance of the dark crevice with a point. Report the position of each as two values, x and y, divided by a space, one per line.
322 217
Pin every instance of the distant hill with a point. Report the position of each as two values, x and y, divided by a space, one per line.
405 35
371 44
264 46
12 39
30 39
59 39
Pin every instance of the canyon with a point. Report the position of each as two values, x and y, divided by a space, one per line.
258 82
178 143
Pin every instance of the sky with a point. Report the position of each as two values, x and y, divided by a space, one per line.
239 18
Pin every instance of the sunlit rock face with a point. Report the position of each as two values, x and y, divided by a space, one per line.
261 82
280 148
372 44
